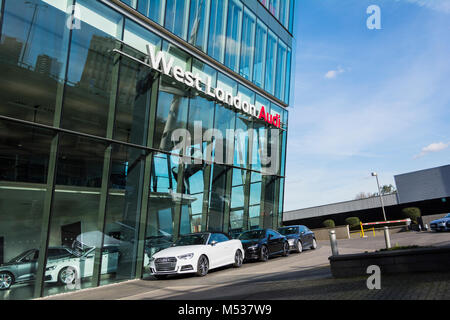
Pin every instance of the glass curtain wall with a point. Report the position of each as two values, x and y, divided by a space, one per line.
248 44
90 195
217 25
177 15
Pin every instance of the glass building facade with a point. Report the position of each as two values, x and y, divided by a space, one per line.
91 180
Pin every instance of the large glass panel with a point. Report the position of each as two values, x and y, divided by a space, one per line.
24 157
291 16
75 208
281 203
218 197
177 14
173 102
255 200
161 206
198 23
260 54
260 136
237 202
243 126
288 77
154 9
284 12
271 59
269 211
131 3
89 86
201 115
193 213
280 82
33 54
217 25
135 84
120 238
248 44
274 7
234 31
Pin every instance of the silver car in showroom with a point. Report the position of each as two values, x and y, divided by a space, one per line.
23 268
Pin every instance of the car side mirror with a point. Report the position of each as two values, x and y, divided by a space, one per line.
213 243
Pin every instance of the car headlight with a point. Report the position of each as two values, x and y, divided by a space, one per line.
254 247
186 256
50 268
291 242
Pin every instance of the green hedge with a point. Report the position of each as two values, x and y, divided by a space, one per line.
412 213
353 222
329 223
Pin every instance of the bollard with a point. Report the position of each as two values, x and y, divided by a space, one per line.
387 237
334 247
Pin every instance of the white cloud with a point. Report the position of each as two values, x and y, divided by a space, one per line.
434 147
438 5
332 74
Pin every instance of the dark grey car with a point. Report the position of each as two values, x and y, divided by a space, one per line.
23 268
299 237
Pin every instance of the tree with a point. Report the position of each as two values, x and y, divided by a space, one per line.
363 195
388 189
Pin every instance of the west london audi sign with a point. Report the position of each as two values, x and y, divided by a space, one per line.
159 62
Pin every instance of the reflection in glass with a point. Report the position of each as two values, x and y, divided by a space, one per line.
24 155
33 51
218 198
177 17
271 66
74 219
198 23
248 44
89 86
280 81
260 54
123 214
217 22
154 9
234 31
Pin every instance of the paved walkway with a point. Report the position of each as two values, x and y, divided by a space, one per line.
303 276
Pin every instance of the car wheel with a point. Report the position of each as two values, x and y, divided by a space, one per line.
314 244
264 254
299 247
285 249
202 266
67 275
238 259
160 277
6 280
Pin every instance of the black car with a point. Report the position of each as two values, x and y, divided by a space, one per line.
261 244
299 237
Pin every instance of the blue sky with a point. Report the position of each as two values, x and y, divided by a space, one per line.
366 100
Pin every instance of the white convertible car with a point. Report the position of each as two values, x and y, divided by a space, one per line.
197 253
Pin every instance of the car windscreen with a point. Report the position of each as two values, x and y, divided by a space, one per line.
21 256
287 231
252 235
447 216
191 240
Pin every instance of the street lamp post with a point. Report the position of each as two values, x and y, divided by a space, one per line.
374 174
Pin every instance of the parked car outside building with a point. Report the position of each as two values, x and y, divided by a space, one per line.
197 253
441 224
261 244
299 237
